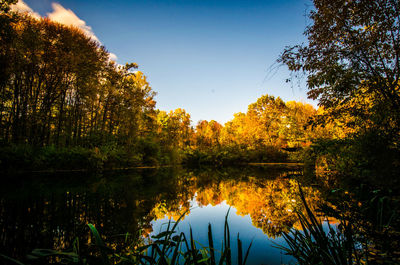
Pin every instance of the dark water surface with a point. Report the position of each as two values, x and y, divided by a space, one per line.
51 210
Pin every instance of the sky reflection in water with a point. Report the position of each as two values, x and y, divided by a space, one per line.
262 250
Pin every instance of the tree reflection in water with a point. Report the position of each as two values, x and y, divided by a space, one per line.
271 202
52 214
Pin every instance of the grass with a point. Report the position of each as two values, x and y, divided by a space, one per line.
166 248
313 245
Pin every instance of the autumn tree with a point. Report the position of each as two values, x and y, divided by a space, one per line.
207 134
174 128
352 51
5 5
44 74
270 122
128 104
59 87
295 129
267 112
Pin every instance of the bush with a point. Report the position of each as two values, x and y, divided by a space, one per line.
234 155
28 158
370 156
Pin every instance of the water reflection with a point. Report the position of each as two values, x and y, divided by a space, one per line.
50 214
271 202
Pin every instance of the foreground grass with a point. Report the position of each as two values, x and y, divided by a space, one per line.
314 245
167 247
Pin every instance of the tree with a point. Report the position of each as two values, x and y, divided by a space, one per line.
50 71
207 134
353 50
58 87
267 112
270 122
294 128
174 128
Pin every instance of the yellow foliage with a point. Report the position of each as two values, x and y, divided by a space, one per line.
271 204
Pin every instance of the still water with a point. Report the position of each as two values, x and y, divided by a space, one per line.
50 211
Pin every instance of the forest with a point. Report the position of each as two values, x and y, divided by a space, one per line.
65 105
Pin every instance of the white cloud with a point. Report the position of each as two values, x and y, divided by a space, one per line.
112 56
68 17
22 7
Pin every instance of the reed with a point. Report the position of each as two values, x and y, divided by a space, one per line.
166 248
314 245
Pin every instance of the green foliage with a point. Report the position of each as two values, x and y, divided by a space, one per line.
360 176
26 157
149 150
365 230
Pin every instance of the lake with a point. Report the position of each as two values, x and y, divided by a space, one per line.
51 210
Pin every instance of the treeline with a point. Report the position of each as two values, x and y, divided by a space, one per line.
262 134
265 133
65 104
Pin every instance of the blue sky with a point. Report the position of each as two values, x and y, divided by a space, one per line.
211 58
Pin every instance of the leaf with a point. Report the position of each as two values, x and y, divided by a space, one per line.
163 234
99 243
176 238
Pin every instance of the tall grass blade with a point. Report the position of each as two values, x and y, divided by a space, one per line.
165 234
247 252
75 249
193 247
175 254
223 258
240 257
100 244
227 240
211 245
